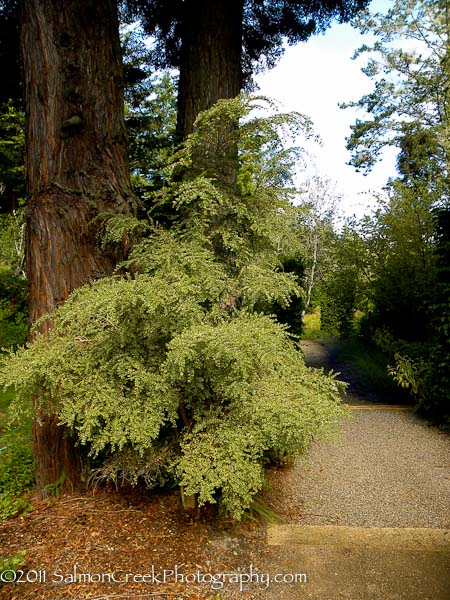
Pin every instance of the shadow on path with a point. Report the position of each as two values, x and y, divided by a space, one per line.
367 516
322 354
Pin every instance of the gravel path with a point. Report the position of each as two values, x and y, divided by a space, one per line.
366 517
388 469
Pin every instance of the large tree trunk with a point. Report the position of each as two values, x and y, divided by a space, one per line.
210 62
76 167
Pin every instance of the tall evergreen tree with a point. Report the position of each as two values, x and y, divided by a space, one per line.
218 45
76 167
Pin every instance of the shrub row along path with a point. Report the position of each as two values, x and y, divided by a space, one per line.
366 517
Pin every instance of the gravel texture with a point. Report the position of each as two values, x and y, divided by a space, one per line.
389 469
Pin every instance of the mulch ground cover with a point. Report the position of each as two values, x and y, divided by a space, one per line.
112 545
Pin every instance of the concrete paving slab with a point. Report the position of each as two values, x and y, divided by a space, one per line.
397 539
358 573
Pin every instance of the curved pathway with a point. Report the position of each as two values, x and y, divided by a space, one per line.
367 517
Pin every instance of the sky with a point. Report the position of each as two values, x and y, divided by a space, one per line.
313 78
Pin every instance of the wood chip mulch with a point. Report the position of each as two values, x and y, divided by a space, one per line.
78 545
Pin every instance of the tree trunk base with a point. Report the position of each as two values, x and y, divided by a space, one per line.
57 461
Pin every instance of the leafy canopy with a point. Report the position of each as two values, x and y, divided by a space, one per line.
409 106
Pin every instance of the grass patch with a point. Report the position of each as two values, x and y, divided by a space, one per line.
311 325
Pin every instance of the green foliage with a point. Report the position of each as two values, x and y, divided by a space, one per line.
259 511
13 309
338 304
169 371
118 230
7 565
408 246
16 470
12 238
55 488
426 379
409 105
5 399
12 331
404 261
400 239
12 144
439 356
423 368
408 374
150 113
342 289
13 288
404 246
11 506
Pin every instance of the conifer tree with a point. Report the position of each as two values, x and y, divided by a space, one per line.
217 46
76 169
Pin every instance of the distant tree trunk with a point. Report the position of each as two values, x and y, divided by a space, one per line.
76 168
210 63
311 277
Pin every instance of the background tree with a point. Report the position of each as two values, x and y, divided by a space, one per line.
12 149
436 400
342 290
76 168
217 46
150 112
409 109
13 287
403 263
410 104
12 187
318 203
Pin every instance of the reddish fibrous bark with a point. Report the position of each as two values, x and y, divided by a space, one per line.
76 169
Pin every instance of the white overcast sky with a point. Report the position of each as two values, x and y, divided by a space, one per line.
312 78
